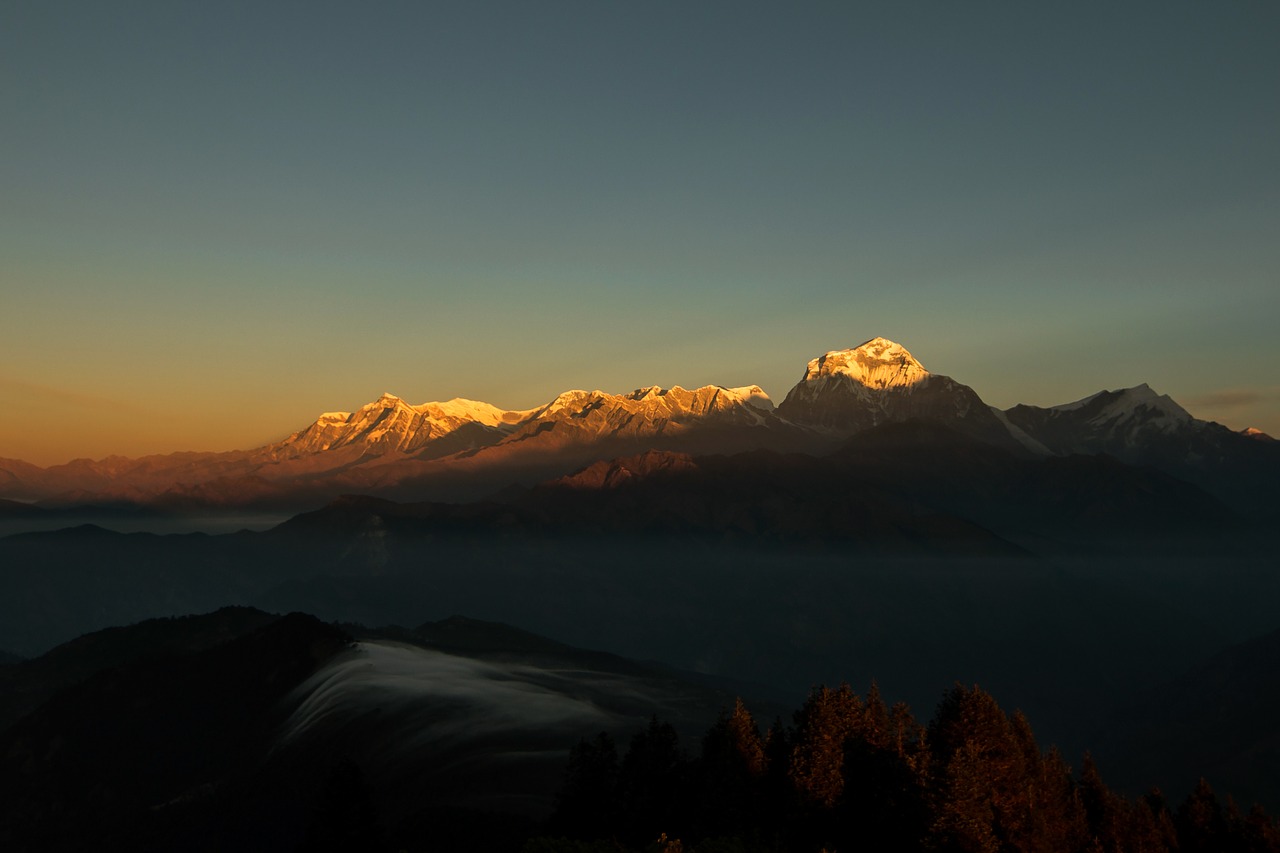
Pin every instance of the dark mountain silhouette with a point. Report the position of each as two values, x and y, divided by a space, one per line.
1046 503
17 509
141 750
24 688
1217 720
1140 427
232 728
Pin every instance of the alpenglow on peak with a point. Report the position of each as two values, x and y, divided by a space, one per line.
877 363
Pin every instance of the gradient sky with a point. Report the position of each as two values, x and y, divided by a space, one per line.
218 220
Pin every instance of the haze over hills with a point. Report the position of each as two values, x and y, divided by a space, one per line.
465 449
882 522
870 457
240 729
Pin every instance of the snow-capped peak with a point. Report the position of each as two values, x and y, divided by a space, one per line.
653 404
709 395
472 410
650 392
878 363
1129 406
753 395
1136 394
389 423
386 401
1127 401
458 409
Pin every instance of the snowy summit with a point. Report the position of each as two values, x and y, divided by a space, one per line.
878 363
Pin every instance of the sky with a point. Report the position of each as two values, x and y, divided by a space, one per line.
218 220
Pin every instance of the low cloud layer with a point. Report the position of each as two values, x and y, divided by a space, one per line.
1232 398
1240 407
401 712
458 698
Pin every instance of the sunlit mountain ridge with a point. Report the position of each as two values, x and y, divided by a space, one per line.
464 449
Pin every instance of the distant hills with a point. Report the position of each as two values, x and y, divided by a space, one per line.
463 450
1217 721
1082 561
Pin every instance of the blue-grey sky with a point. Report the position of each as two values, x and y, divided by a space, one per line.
219 219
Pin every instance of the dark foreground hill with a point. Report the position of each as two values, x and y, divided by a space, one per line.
241 730
1220 717
127 756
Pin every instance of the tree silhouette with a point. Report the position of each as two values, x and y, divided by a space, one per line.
828 718
731 772
1200 821
651 783
588 799
852 775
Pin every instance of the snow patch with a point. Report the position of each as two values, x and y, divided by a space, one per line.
1128 403
878 364
754 396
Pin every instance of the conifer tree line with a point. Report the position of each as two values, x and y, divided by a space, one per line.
851 774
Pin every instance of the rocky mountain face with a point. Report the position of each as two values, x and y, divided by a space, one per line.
389 424
848 391
577 417
855 389
464 449
1119 423
1141 427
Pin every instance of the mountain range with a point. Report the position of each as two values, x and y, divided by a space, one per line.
462 450
1084 561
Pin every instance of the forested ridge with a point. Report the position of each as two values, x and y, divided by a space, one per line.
850 773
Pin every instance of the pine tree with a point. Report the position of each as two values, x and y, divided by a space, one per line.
588 803
651 782
1200 821
876 728
779 795
1055 818
1261 833
827 719
1163 835
746 740
991 789
731 773
1104 811
884 796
